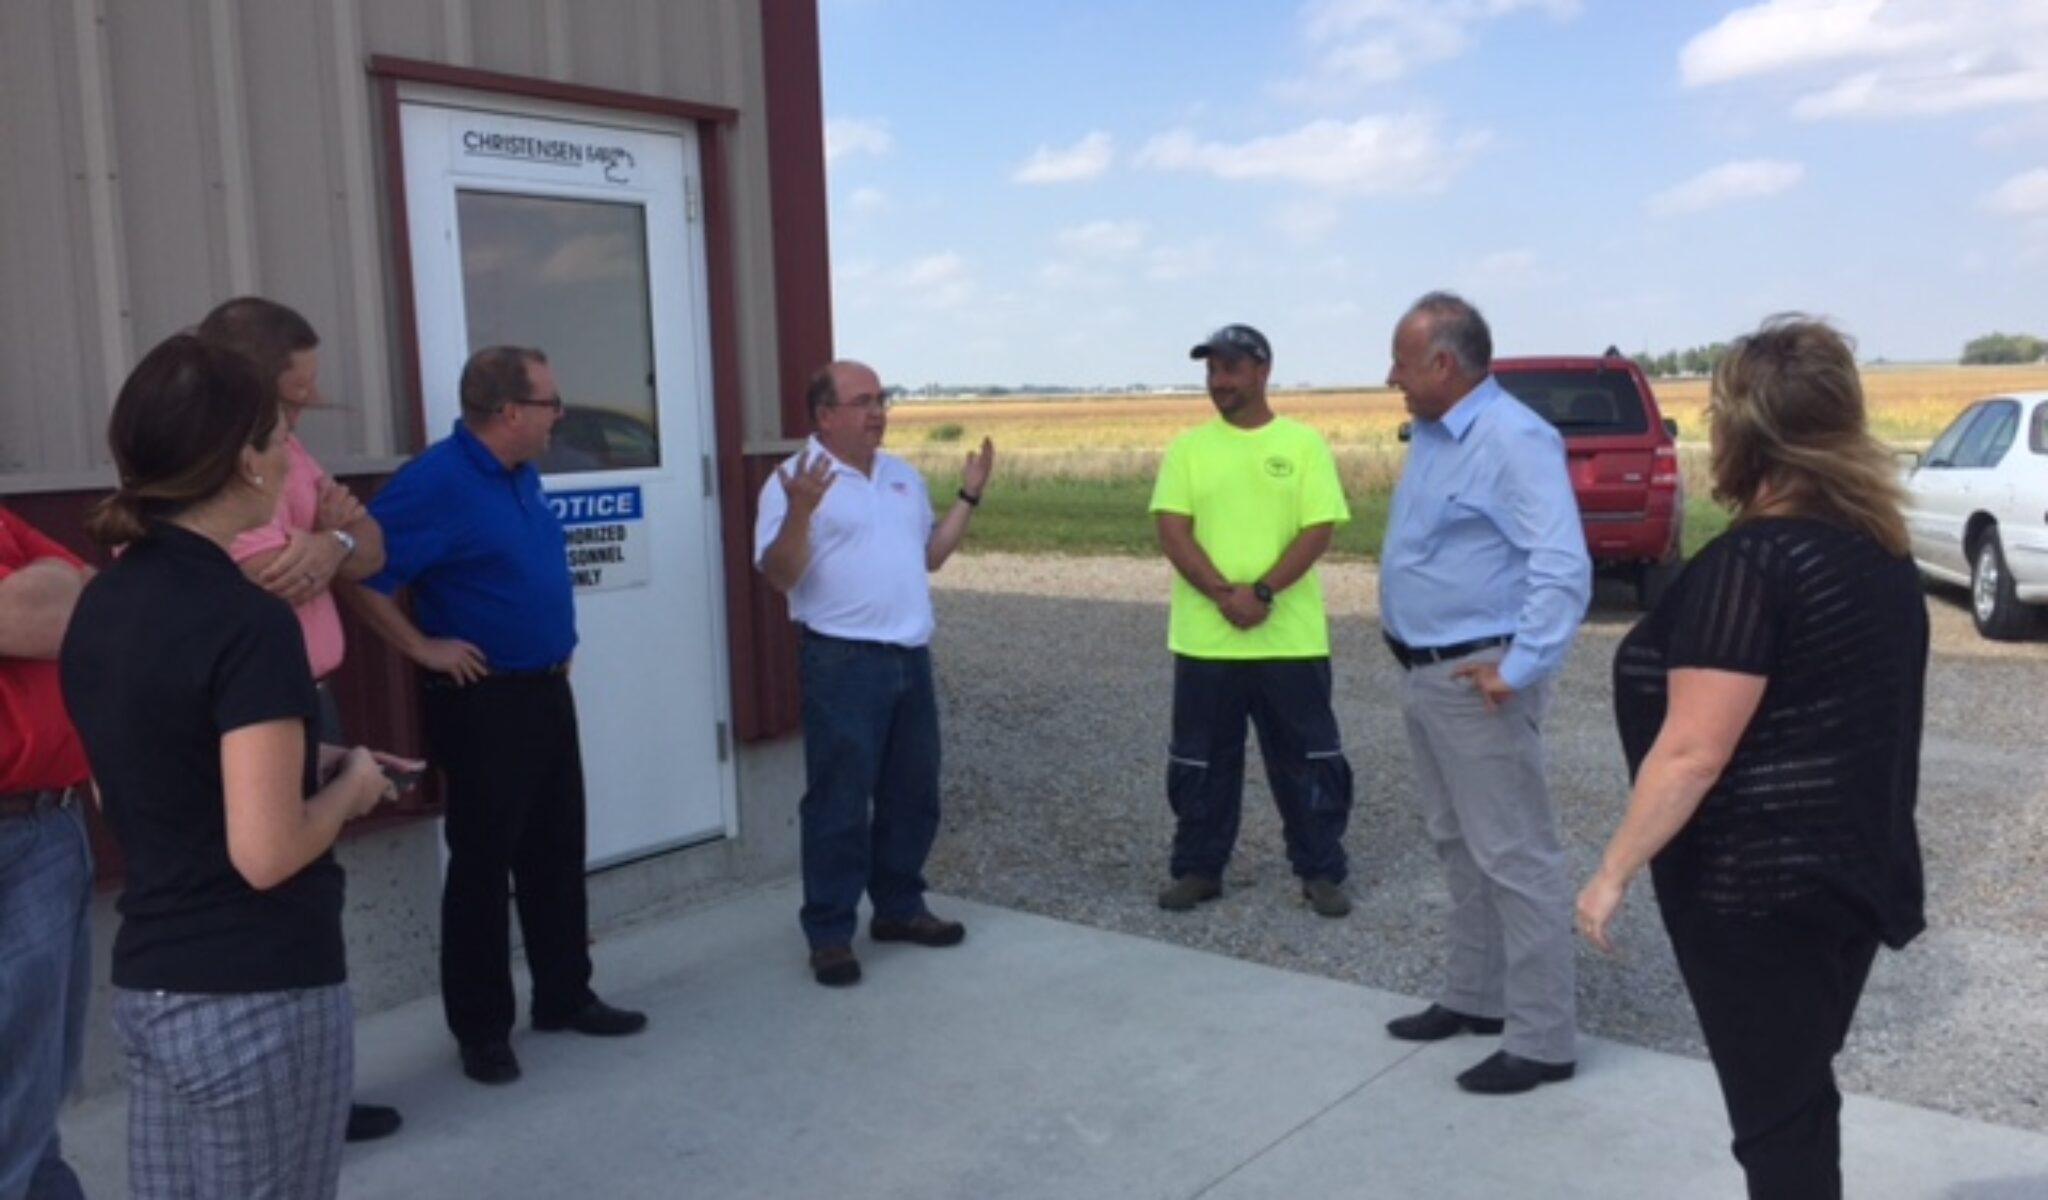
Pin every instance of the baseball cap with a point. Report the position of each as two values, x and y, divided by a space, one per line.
1235 340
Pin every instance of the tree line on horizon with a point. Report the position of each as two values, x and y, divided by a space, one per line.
1992 349
2001 349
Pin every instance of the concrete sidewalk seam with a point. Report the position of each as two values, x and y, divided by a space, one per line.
1303 1124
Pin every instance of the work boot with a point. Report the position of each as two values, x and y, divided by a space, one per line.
1189 890
1326 896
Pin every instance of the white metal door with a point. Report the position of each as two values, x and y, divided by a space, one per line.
582 238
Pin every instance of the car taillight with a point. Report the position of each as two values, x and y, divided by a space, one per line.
1664 467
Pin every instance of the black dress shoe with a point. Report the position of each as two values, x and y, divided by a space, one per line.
835 966
923 929
368 1122
597 1019
1504 1074
1435 1023
490 1062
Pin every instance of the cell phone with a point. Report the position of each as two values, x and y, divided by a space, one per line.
403 779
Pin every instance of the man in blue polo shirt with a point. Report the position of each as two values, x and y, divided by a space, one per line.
469 533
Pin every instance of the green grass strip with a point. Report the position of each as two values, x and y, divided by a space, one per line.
1085 517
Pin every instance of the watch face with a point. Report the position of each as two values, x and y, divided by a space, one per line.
1264 593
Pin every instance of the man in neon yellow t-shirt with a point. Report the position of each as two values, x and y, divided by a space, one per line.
1245 505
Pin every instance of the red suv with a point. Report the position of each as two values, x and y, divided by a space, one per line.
1623 456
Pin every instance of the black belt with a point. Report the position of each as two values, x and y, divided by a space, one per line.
438 680
28 804
1411 657
813 634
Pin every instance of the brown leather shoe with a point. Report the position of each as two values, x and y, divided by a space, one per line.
835 966
923 929
1186 891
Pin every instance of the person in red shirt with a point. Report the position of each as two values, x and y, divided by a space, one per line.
45 865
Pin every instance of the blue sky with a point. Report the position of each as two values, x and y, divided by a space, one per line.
1073 192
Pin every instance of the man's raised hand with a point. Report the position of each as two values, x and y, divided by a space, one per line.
805 482
980 464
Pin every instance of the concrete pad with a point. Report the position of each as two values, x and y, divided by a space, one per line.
1042 1059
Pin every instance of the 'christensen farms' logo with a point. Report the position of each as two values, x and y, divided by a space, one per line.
1280 468
617 161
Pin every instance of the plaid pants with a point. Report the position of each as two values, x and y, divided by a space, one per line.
241 1095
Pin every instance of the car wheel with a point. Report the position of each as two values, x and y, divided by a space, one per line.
1997 611
1653 579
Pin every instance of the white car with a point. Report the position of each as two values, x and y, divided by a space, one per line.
1977 510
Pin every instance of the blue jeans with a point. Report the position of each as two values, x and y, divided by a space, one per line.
1287 701
871 732
45 981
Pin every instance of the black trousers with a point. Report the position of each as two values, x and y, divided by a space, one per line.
1288 702
1775 996
508 749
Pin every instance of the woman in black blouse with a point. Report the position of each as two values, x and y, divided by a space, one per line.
1770 709
190 690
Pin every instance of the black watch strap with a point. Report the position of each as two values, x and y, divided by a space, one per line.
972 501
1264 593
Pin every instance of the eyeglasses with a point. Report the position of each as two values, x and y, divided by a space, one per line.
875 403
554 403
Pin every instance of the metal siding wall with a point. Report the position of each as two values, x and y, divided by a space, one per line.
754 229
163 154
167 163
52 387
305 244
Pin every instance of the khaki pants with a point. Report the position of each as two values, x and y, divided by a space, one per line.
1479 787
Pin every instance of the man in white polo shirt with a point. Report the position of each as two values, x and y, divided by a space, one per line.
847 532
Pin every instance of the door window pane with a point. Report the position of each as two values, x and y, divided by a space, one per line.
570 277
1989 435
1943 452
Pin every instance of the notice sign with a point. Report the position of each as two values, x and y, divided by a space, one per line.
606 536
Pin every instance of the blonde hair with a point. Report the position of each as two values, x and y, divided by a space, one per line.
1790 434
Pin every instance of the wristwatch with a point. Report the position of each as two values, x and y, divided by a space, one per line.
1264 593
347 540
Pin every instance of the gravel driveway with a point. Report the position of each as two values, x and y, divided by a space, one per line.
1054 683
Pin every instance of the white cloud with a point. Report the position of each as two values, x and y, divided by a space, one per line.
1878 59
2024 195
1504 265
1306 221
933 281
1102 239
1378 41
1779 34
1191 260
1066 275
1752 180
852 135
868 200
1958 87
1400 153
1084 160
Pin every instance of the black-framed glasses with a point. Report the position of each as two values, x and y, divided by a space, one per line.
554 403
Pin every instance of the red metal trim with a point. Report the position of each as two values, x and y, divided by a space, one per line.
728 423
796 172
420 71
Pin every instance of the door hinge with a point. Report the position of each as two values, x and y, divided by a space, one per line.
690 199
724 743
709 477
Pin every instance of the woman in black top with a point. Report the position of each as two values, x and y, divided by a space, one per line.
190 690
1770 709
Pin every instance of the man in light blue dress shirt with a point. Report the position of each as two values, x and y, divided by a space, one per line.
1484 577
